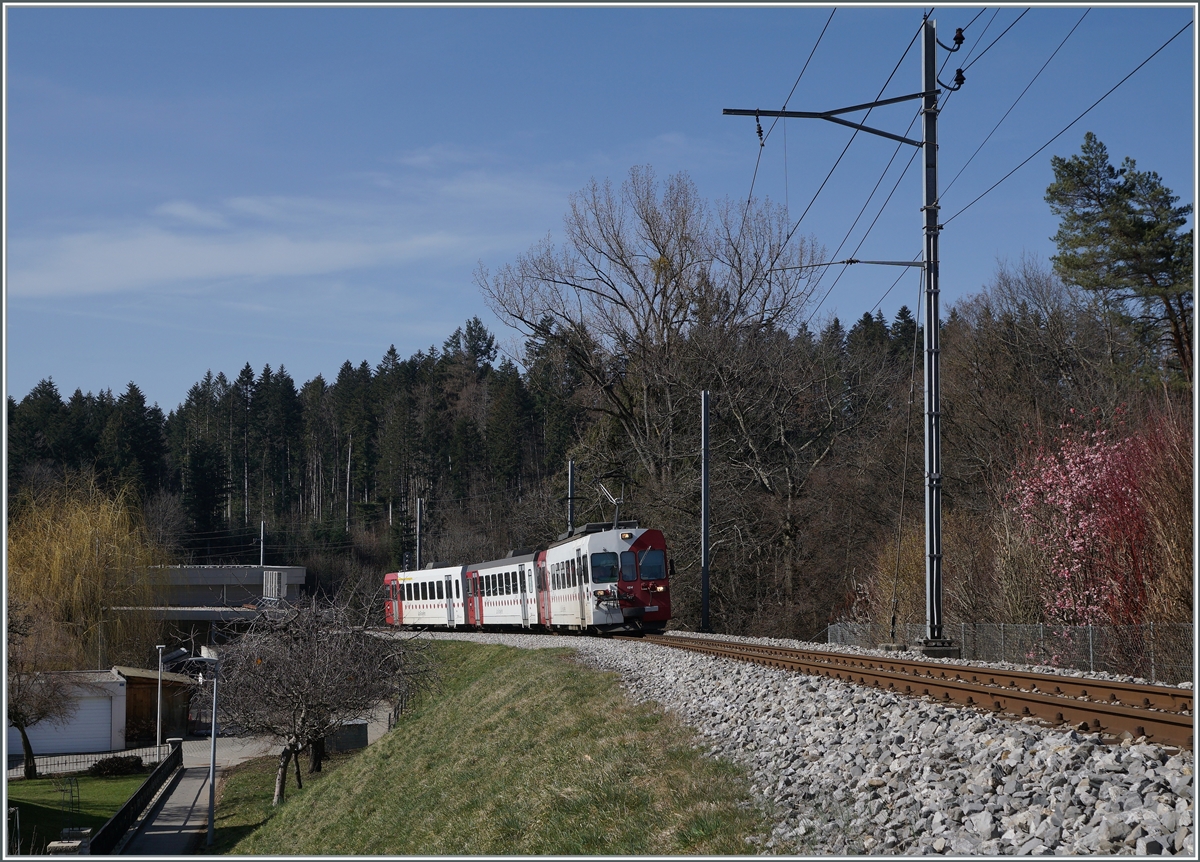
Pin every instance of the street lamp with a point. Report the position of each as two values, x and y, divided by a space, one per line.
212 756
167 659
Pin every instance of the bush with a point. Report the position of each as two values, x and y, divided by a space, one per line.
107 767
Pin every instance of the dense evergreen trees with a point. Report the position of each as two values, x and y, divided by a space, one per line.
817 474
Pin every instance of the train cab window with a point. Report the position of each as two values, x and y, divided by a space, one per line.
604 568
441 590
652 564
628 566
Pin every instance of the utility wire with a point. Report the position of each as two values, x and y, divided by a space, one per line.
763 141
1018 99
1070 124
994 41
883 207
845 149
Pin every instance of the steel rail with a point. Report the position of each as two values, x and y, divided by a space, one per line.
1159 713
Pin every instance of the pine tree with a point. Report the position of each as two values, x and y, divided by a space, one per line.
1121 233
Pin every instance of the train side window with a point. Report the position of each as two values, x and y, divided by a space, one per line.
441 590
628 567
522 579
508 583
492 581
605 565
512 582
457 594
424 594
572 574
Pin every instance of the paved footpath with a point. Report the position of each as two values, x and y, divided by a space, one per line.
178 823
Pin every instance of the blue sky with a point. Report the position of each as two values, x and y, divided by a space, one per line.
197 188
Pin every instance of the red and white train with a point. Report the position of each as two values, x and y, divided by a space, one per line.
598 577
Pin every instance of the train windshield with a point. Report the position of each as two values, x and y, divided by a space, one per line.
652 563
604 568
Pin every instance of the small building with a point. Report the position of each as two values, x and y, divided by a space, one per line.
231 586
198 600
141 704
98 723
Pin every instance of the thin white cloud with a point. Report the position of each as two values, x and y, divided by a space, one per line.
102 262
189 213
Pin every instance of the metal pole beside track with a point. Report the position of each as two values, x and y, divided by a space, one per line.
420 507
704 625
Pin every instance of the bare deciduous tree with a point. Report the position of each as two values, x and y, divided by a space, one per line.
36 695
300 672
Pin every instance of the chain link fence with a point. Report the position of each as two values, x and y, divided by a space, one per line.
1159 652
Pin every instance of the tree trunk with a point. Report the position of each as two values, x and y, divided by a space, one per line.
316 753
299 782
281 775
30 764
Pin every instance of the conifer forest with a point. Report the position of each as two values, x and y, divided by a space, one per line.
1066 434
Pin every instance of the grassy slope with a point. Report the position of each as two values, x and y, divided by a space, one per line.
520 751
42 820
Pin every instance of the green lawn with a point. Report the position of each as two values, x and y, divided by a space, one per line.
42 819
519 752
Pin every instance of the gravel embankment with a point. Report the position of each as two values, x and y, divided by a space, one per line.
845 769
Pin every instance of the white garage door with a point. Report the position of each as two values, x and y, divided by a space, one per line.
89 729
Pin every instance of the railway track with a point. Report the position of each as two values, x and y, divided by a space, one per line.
1161 714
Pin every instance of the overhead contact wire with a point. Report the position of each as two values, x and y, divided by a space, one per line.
762 143
1018 99
1070 124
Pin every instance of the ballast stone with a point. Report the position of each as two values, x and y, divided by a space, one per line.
843 769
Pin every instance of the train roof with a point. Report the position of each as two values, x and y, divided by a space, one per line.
588 529
520 555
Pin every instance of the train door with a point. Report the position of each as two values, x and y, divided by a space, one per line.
397 605
471 589
579 577
543 589
523 584
449 602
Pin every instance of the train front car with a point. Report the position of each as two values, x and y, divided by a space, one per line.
608 579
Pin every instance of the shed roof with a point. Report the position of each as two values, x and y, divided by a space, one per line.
144 673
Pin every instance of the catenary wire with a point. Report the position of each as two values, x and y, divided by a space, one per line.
762 144
845 149
1069 125
883 207
994 41
1018 99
